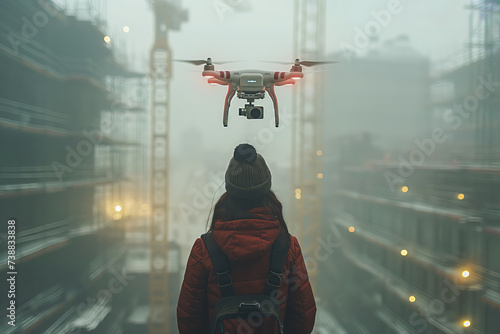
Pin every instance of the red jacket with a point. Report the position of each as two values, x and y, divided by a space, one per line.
247 243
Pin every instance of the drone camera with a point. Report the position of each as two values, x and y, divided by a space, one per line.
252 112
255 112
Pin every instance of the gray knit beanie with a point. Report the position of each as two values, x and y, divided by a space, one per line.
247 175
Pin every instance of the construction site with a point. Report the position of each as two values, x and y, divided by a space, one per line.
387 163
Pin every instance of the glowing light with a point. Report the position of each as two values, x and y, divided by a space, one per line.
126 28
404 252
412 299
466 323
352 229
298 196
465 273
404 189
208 76
118 208
319 153
319 175
460 196
107 39
298 191
296 78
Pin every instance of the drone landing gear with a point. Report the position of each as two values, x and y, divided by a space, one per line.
272 94
227 103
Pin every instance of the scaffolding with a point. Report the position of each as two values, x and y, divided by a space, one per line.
484 30
89 10
484 51
59 98
307 128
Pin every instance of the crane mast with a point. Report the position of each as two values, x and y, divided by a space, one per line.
307 128
167 16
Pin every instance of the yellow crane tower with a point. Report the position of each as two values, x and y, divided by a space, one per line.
168 15
307 129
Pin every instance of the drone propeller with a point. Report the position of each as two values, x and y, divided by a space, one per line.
193 62
314 63
307 63
207 61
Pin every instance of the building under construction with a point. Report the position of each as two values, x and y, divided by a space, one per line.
397 212
416 222
70 125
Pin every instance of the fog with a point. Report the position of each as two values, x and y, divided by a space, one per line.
391 186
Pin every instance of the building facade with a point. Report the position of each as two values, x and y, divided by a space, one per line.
417 226
64 172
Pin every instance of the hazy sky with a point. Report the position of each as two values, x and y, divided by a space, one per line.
436 28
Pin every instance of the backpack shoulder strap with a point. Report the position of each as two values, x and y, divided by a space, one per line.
221 264
278 258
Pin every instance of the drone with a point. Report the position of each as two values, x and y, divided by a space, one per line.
252 85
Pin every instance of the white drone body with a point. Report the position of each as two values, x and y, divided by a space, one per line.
252 85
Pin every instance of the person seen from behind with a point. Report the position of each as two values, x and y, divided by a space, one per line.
247 273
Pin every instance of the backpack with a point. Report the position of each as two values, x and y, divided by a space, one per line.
249 307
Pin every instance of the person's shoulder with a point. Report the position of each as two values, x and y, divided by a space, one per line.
197 251
293 240
294 246
198 243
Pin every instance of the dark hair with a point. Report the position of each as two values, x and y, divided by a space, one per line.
228 208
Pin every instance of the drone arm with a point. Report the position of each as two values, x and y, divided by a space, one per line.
227 103
217 81
272 94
